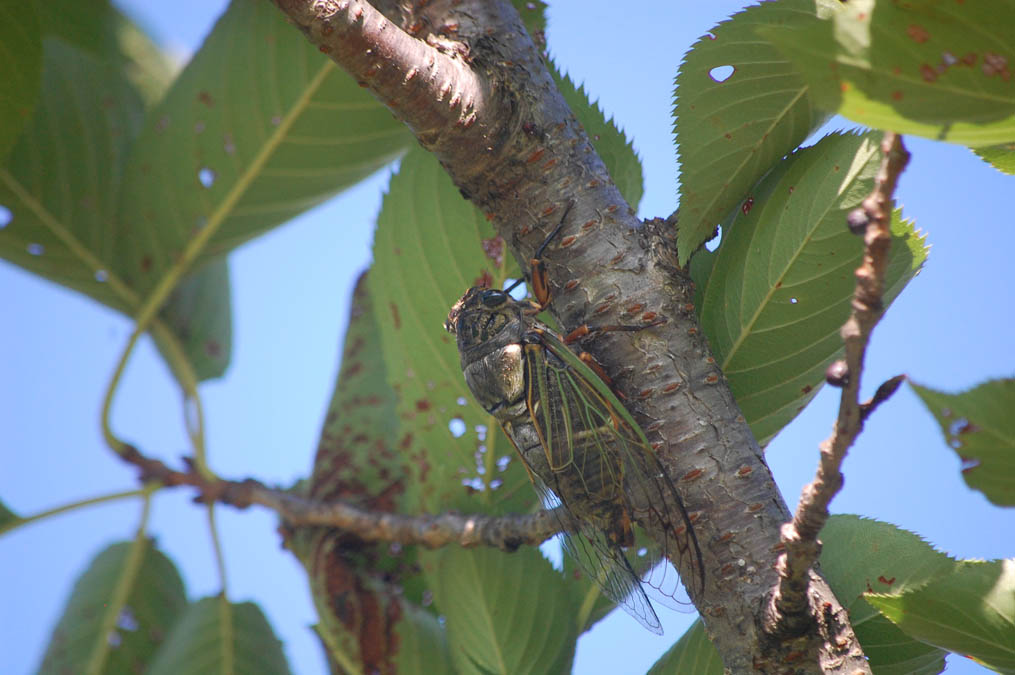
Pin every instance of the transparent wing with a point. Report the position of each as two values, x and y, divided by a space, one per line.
601 560
584 424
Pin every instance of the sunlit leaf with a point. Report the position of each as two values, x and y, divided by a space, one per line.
936 69
970 611
859 556
979 426
1001 157
740 106
119 612
781 284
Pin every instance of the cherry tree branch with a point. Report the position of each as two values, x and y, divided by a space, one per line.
872 219
432 531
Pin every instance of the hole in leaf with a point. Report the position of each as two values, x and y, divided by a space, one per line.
713 243
792 301
36 249
101 276
496 483
721 73
206 176
461 400
502 462
457 427
5 217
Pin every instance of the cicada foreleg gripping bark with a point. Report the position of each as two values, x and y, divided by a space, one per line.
581 447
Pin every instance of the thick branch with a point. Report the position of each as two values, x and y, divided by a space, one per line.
790 603
520 155
506 532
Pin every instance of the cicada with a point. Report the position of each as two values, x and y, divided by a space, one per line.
581 447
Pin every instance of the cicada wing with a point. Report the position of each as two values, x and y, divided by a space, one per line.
585 403
600 560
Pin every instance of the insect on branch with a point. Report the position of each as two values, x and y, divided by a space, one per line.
800 536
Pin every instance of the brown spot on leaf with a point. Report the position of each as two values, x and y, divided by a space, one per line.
484 280
212 348
917 33
394 315
422 405
807 389
205 98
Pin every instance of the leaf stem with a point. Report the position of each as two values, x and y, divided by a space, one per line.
63 508
131 567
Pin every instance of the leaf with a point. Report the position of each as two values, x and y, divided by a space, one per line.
259 127
978 425
217 636
926 67
506 613
970 611
1001 156
357 458
692 653
62 179
363 591
119 612
430 246
199 313
422 644
61 185
782 281
861 555
610 142
8 519
20 69
98 28
731 128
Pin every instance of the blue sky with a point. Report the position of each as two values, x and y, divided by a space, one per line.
951 329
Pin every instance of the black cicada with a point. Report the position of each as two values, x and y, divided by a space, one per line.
580 445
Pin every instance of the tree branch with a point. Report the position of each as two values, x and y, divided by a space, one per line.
505 532
499 126
789 607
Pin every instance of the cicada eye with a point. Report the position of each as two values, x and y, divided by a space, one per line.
493 298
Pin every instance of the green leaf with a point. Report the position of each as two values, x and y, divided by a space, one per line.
119 612
610 142
199 312
1001 156
20 69
970 611
533 14
978 425
782 280
422 644
259 127
506 613
924 67
357 455
98 28
430 246
217 636
8 519
730 132
62 179
692 653
61 184
859 556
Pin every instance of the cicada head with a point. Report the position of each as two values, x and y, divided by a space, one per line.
485 317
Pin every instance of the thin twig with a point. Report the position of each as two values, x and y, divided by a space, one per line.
789 606
504 532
